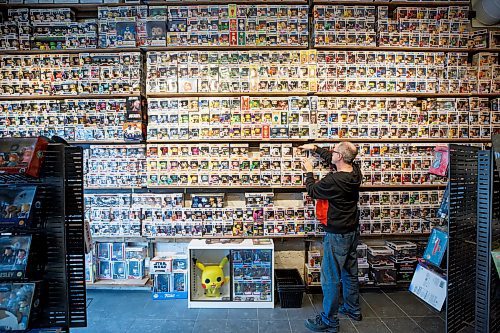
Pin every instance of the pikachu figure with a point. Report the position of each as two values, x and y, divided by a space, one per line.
212 277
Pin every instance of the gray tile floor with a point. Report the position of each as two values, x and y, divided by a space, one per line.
135 311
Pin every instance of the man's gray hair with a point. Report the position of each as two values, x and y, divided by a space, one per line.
348 151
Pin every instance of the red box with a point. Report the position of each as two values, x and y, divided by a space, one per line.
22 155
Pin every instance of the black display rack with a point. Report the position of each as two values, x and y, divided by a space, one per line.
60 192
488 238
462 228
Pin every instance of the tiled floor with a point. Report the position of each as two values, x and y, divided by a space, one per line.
130 312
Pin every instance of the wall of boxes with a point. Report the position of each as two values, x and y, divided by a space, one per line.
178 102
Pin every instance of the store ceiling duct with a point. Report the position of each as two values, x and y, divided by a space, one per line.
487 11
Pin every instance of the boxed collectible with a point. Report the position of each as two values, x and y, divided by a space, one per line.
405 270
403 250
15 256
436 247
429 286
383 275
314 259
160 265
313 275
22 302
207 200
17 205
22 155
363 273
362 250
380 256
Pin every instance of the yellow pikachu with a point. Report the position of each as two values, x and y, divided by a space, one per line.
212 277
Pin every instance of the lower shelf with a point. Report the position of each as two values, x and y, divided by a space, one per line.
230 305
120 284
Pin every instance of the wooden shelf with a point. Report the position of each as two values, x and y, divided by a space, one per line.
222 48
120 284
403 140
222 2
311 140
69 51
96 142
393 3
389 48
61 97
235 94
392 94
229 140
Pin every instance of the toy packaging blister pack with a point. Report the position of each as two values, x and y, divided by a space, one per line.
22 155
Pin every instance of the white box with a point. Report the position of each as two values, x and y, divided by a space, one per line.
429 286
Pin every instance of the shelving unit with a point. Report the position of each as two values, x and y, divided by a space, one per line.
90 10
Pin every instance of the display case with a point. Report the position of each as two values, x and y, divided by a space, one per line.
233 273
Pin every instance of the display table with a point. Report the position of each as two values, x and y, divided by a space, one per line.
235 273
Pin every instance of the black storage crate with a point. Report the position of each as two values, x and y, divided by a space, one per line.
290 287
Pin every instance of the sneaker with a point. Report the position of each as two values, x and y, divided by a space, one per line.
318 325
353 316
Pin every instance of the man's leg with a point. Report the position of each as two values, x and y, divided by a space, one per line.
333 260
330 279
350 282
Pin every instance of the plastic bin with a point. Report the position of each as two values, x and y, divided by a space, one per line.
290 287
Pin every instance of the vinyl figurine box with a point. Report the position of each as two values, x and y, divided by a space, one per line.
14 258
22 155
21 303
16 205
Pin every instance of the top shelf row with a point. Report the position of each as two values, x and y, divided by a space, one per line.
93 6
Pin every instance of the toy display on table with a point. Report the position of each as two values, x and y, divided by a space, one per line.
22 155
212 277
16 302
16 203
14 257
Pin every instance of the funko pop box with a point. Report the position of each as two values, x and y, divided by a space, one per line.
22 155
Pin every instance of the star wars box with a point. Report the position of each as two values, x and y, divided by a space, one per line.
22 155
17 206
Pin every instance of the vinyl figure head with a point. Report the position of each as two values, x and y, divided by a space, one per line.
212 277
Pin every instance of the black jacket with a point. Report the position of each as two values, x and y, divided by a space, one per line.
341 189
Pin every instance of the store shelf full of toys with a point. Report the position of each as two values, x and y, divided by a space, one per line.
232 89
42 249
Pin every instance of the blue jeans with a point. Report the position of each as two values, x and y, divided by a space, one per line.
340 265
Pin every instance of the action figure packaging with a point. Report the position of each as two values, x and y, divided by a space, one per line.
17 206
22 306
22 155
403 250
380 256
383 275
15 256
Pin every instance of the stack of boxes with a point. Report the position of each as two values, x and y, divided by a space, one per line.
169 275
116 261
313 268
404 259
382 269
363 266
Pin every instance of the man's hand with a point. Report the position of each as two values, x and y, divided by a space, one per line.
309 146
307 165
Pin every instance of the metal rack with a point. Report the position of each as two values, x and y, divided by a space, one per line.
488 232
462 226
60 191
